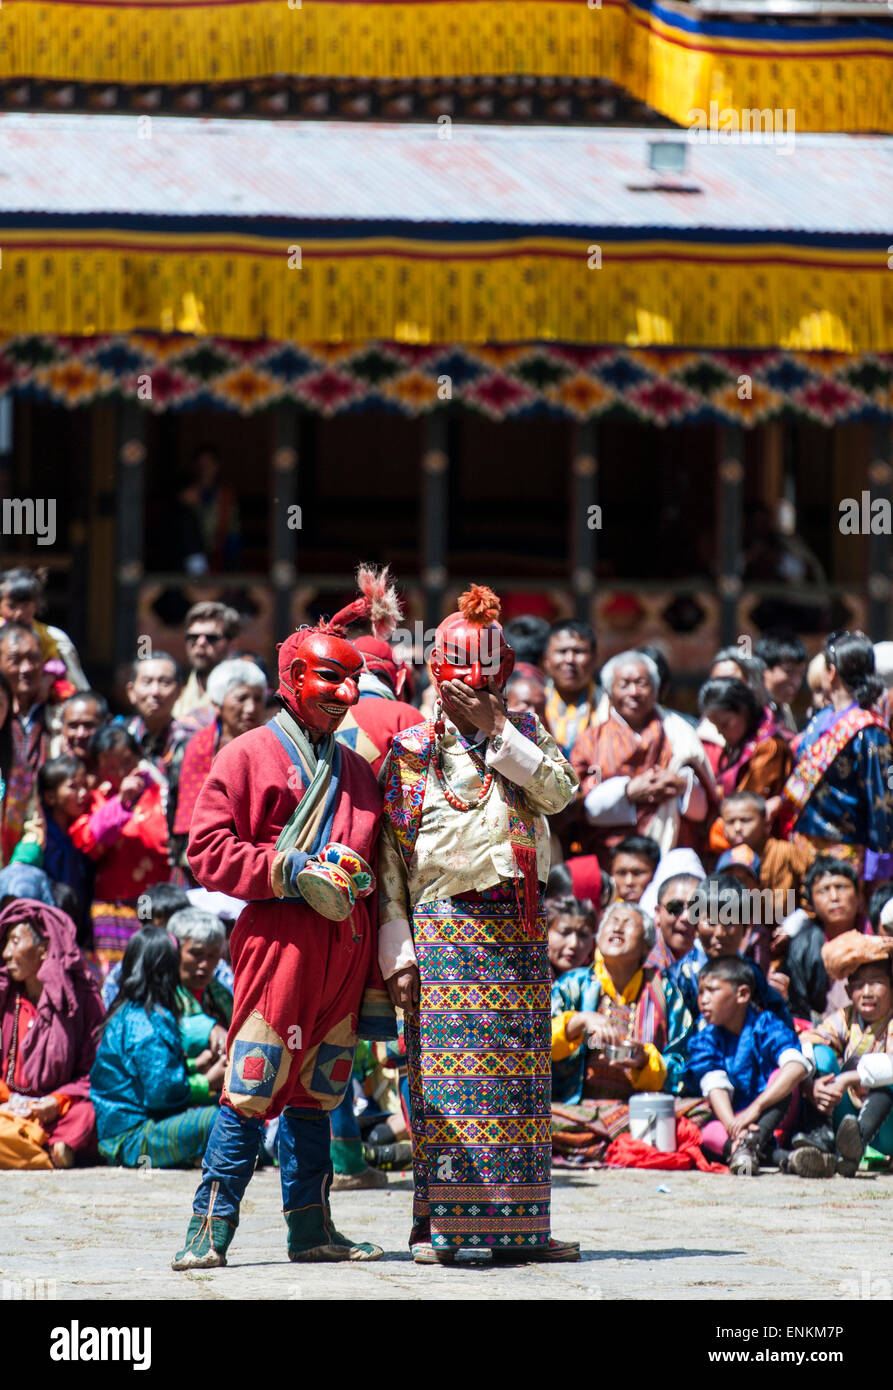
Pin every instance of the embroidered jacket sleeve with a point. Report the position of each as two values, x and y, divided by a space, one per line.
681 1026
395 948
541 769
876 765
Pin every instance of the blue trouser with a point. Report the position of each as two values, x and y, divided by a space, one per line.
826 1064
305 1168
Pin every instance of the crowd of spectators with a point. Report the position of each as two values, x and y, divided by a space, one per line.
720 906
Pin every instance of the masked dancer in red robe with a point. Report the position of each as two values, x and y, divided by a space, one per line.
288 820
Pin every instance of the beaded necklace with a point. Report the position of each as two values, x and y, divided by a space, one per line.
452 797
13 1042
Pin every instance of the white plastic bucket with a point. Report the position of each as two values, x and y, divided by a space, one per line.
653 1119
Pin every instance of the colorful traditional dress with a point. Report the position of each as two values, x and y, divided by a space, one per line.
843 1042
590 1098
684 1015
610 753
128 844
459 894
839 797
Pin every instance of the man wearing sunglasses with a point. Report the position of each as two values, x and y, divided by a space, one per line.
211 629
675 933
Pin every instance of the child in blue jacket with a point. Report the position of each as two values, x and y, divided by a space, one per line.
746 1063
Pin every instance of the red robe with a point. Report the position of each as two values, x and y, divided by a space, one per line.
299 978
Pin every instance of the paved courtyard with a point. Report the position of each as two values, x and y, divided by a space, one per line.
109 1233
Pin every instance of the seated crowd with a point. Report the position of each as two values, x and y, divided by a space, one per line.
720 907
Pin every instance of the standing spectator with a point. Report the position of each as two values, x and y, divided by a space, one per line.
21 594
572 694
839 795
211 629
153 690
755 755
125 833
82 715
643 769
64 797
208 518
784 658
22 665
237 691
527 635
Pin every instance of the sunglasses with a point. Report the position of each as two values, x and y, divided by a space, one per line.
212 637
675 907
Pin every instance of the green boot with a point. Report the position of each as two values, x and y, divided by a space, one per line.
312 1239
207 1241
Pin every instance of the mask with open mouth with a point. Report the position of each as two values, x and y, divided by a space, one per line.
319 668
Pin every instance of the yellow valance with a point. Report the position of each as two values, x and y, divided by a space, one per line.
633 292
837 78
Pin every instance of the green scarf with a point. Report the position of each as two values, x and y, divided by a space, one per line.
317 765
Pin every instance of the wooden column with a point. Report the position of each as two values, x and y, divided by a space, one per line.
880 476
435 514
130 525
286 518
731 477
583 522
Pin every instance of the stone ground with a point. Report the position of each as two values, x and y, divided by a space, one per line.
109 1233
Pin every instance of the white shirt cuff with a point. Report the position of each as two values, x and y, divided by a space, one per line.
517 759
395 948
716 1081
875 1069
795 922
606 804
793 1054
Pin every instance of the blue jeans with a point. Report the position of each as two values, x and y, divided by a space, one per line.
305 1168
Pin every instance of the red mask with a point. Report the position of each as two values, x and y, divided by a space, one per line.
465 651
318 675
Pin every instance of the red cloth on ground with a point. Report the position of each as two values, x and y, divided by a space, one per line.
627 1152
299 978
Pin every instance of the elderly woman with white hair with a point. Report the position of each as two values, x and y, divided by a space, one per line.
237 691
642 769
616 1000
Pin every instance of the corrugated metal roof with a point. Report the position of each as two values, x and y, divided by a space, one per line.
530 175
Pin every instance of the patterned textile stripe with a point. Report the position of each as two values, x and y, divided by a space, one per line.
113 926
171 1143
478 1054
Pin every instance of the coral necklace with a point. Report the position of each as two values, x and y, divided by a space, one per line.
456 801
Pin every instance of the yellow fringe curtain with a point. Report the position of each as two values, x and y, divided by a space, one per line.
831 83
645 294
